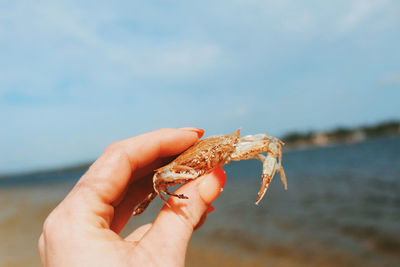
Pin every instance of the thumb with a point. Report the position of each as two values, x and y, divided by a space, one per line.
174 225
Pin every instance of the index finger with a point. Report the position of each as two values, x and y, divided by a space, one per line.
108 177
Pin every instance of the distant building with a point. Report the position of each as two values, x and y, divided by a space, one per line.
320 139
358 136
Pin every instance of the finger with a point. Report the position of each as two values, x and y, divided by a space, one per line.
175 224
204 217
138 233
112 171
109 176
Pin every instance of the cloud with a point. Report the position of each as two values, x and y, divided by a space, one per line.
366 11
392 78
67 41
359 11
168 59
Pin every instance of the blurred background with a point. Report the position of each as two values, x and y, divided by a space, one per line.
76 76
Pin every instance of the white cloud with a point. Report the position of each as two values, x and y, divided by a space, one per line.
392 78
66 40
167 59
361 11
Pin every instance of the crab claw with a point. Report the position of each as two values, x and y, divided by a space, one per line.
267 175
270 167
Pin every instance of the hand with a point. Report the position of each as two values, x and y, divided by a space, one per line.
83 230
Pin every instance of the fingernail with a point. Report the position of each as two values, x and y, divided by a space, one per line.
199 131
210 209
211 185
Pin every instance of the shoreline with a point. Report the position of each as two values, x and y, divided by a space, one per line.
41 175
292 147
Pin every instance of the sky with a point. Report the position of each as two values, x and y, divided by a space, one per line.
76 76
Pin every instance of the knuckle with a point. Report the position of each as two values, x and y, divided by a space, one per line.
50 224
55 232
114 148
57 226
53 223
116 151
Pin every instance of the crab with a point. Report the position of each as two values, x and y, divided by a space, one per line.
213 152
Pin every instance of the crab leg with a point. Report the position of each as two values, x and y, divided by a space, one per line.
143 205
254 137
259 137
164 189
280 169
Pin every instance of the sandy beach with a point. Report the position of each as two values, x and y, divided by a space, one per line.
21 222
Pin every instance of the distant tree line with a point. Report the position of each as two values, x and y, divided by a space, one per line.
386 128
345 134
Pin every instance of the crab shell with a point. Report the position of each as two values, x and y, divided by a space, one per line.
202 158
199 159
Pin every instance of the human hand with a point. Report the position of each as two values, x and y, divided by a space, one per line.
83 230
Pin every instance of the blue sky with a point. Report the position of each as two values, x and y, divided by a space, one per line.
78 75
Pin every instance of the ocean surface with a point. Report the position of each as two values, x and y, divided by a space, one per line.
342 208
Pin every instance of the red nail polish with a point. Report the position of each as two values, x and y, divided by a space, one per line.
220 173
199 131
210 209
